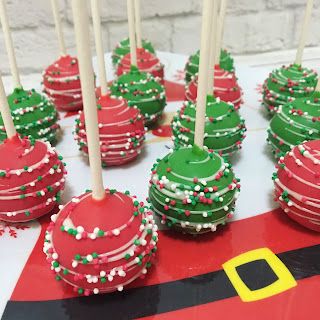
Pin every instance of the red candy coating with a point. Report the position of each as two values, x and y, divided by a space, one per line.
147 62
61 82
297 184
226 87
101 246
31 178
121 131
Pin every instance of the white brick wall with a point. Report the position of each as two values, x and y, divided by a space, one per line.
173 25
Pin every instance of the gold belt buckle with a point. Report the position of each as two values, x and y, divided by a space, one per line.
285 279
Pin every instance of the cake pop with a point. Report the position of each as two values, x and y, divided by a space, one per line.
110 247
224 84
121 131
123 48
33 115
143 91
294 123
140 89
192 66
224 128
31 177
294 81
146 53
193 189
146 62
226 87
286 84
297 184
144 59
61 83
101 254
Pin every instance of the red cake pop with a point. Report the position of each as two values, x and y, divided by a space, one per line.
31 179
121 128
121 131
107 251
297 184
61 82
146 62
226 87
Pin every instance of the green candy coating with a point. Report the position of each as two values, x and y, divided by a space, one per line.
192 66
287 83
123 48
33 116
294 123
140 89
193 189
224 127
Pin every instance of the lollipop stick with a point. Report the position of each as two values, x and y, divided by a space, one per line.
304 31
9 45
81 25
137 15
95 8
203 72
57 22
132 37
5 112
212 42
220 29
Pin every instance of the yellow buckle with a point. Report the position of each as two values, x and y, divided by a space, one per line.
285 279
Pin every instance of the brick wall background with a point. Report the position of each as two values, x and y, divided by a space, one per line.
173 25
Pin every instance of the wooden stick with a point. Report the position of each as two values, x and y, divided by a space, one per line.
212 44
95 8
203 72
9 45
57 22
81 26
304 31
220 29
137 15
132 37
5 112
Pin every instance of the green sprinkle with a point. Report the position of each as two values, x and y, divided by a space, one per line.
77 257
100 233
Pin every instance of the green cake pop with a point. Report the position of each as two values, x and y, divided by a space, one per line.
193 189
224 127
294 81
294 123
286 84
142 90
192 66
33 115
123 48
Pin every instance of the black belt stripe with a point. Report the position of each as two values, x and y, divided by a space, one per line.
160 298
